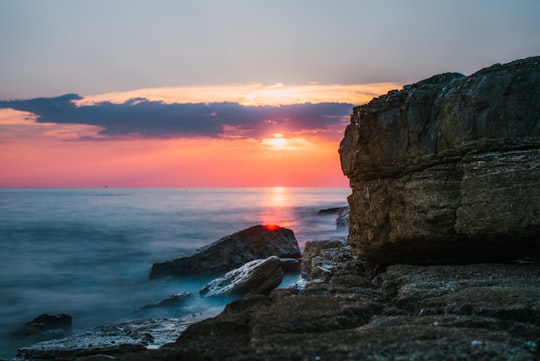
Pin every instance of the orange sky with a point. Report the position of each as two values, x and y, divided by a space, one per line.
53 155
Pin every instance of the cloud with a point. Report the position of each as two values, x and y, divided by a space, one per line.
141 117
251 94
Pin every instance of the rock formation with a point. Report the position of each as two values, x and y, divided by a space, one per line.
255 277
447 170
233 251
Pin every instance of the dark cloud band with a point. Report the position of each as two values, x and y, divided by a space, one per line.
163 120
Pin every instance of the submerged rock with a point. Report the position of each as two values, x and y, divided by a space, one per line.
342 220
171 301
446 170
258 276
44 327
233 251
107 341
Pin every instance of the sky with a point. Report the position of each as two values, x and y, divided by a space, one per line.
221 93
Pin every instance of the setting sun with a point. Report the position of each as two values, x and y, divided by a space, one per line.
276 142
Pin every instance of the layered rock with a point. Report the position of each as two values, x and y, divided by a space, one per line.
255 277
446 170
233 251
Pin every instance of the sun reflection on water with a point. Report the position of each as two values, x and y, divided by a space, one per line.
277 205
278 197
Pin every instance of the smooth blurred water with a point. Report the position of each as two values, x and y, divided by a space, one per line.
88 252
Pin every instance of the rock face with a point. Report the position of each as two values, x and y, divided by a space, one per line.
255 277
446 170
233 251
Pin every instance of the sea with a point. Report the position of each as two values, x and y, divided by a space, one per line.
88 252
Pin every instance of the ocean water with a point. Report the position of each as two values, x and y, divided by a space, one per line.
88 252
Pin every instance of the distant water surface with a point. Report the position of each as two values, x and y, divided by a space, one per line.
88 252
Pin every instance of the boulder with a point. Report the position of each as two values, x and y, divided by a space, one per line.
258 276
233 251
44 327
446 170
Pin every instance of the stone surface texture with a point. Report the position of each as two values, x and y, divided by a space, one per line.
233 251
255 277
447 170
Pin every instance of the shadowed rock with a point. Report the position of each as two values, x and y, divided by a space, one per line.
233 251
44 327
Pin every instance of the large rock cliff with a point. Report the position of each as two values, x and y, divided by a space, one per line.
448 169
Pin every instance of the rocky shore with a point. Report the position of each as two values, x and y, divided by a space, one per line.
442 261
350 310
346 309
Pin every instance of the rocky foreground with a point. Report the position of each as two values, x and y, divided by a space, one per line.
349 310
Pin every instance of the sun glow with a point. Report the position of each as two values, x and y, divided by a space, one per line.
277 142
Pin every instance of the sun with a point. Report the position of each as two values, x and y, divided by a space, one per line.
277 141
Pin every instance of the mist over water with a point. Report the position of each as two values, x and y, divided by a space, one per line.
88 252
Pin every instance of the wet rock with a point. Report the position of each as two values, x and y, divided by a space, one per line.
342 220
342 213
335 210
44 327
173 300
107 341
446 170
255 277
98 357
290 265
233 251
